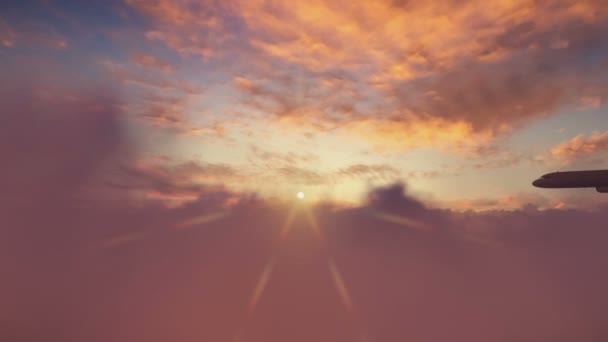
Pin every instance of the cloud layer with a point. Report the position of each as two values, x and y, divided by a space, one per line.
400 74
85 266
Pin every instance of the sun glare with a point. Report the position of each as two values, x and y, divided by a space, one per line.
300 195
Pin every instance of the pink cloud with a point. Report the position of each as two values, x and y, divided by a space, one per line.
7 35
150 61
184 27
581 147
31 34
590 102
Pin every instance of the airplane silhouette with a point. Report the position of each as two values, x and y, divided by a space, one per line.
597 179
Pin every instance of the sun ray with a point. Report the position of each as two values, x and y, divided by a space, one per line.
340 286
261 285
346 297
121 240
287 225
314 225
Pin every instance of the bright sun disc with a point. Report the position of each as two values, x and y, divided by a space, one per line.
300 195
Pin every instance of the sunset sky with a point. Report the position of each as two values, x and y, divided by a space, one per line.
466 102
302 171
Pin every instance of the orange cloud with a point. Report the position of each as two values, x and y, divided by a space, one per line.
508 202
166 112
400 74
581 147
396 40
400 135
392 39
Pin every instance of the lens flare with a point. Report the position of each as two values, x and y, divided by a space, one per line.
300 195
402 221
121 240
340 285
287 225
316 229
261 285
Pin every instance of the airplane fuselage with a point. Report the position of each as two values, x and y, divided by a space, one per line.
574 179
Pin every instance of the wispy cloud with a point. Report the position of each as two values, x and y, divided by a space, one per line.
374 171
150 61
7 35
190 28
28 33
582 147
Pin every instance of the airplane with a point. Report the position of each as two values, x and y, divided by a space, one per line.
597 179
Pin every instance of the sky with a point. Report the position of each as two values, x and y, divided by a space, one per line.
467 102
152 152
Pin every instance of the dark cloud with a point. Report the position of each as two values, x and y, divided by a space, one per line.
50 146
131 272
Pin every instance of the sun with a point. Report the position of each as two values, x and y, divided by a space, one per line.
300 195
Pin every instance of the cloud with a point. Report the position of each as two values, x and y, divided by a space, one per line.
123 267
272 158
493 157
173 183
506 202
7 35
161 100
590 102
462 271
392 269
146 79
400 134
168 113
149 61
300 175
190 28
581 147
299 168
27 33
53 145
377 171
399 67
